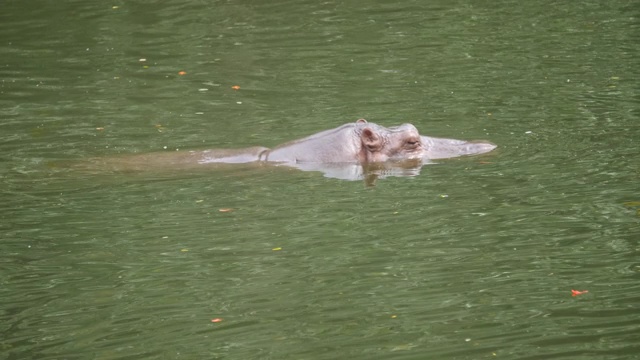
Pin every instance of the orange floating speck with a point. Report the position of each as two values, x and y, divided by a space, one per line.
216 320
236 87
225 210
182 73
578 292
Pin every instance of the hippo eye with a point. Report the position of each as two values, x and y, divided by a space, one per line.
413 143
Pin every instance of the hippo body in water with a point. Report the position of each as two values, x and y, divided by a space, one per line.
352 151
360 142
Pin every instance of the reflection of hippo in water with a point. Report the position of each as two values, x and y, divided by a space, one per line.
351 151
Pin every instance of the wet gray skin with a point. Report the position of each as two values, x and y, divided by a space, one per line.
354 151
441 148
358 143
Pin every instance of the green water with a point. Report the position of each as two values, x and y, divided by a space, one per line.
475 258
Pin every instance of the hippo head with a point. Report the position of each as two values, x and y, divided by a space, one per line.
401 143
380 144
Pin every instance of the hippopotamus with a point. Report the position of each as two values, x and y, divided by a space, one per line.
361 142
351 151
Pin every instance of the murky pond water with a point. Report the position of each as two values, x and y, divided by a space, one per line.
475 258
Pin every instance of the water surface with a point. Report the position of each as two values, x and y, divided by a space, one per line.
475 258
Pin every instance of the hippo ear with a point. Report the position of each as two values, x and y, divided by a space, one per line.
361 121
370 139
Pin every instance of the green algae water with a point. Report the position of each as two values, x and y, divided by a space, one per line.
475 258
